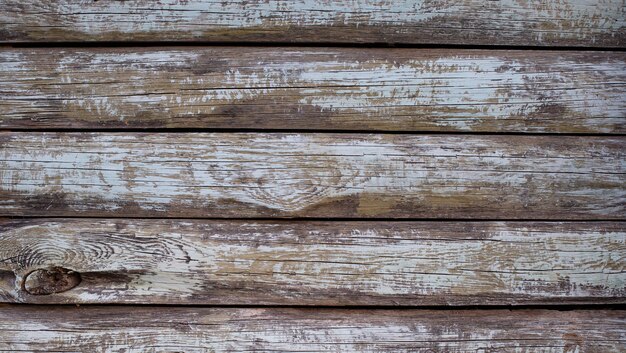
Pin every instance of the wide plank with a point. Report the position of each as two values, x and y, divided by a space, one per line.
135 329
314 88
245 175
159 261
588 23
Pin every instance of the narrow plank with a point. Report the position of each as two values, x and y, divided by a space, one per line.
190 330
314 88
595 23
245 175
159 261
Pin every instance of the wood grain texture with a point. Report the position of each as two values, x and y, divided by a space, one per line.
311 263
315 88
245 175
596 23
195 330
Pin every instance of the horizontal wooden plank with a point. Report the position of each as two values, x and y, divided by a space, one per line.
245 175
314 263
314 88
596 23
190 330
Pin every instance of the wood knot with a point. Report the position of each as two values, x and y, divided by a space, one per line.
51 280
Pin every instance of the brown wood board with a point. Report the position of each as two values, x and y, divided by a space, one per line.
123 261
251 175
314 89
195 330
594 23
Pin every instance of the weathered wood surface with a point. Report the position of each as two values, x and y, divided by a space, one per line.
144 329
312 175
313 263
596 23
315 88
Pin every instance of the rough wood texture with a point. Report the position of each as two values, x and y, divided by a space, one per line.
312 175
313 263
597 23
326 88
191 330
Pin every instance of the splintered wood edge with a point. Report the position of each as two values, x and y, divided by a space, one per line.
194 330
311 263
314 89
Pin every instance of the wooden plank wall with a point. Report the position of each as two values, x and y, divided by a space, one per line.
313 176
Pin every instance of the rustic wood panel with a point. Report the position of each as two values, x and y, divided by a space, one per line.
313 263
315 88
597 23
312 175
190 330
